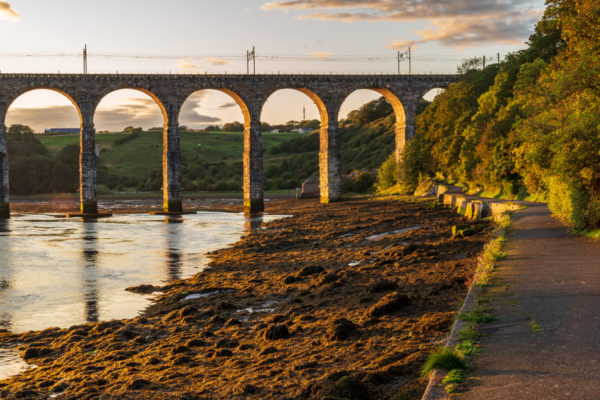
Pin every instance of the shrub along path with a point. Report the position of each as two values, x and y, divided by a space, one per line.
546 296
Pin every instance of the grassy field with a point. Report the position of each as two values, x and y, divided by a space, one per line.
140 155
212 161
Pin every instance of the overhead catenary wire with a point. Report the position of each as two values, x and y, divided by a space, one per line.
259 57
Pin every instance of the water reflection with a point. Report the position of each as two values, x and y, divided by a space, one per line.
90 261
62 272
253 222
5 273
172 252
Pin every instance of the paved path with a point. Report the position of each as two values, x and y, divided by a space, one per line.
552 278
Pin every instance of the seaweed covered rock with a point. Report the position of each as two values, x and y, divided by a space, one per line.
390 304
341 329
276 331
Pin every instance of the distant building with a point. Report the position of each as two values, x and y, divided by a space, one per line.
302 130
62 130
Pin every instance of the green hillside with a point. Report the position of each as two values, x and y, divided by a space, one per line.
134 161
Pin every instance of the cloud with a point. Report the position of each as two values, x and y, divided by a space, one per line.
137 111
47 117
7 13
190 115
186 64
216 61
321 54
456 23
228 105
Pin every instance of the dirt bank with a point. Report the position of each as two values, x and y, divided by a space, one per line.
339 301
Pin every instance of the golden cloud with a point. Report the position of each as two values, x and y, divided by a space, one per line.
451 23
216 61
321 54
186 64
8 13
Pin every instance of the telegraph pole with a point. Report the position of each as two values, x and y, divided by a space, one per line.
483 62
304 113
251 55
498 58
399 58
85 69
409 61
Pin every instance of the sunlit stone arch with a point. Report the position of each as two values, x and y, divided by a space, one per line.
327 103
7 99
401 135
253 179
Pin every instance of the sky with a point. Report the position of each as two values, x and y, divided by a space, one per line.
201 36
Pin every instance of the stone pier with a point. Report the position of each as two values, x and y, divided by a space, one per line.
88 195
253 166
171 161
4 193
405 124
330 163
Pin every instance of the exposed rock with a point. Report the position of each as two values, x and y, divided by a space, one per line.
390 304
276 331
268 350
36 352
383 286
145 289
341 329
196 343
291 279
139 384
310 270
309 189
224 353
226 343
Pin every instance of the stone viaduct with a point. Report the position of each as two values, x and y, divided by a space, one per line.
249 91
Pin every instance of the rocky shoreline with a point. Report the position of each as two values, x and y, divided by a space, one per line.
337 301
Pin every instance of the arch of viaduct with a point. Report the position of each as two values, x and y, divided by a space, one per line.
249 91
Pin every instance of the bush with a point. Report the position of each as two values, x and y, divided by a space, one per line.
363 182
386 175
568 202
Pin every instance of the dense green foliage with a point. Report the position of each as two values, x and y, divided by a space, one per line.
33 170
528 126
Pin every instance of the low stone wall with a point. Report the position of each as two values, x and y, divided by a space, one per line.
472 207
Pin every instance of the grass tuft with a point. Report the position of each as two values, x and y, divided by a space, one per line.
453 379
493 252
478 316
468 333
467 348
445 359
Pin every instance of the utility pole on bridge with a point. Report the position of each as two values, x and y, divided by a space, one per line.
251 55
85 69
401 56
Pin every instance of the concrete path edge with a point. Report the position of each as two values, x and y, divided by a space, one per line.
472 207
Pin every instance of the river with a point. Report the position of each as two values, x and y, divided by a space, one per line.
58 272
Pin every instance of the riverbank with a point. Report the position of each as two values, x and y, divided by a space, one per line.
135 202
338 301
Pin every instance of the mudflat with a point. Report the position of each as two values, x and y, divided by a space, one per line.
336 301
